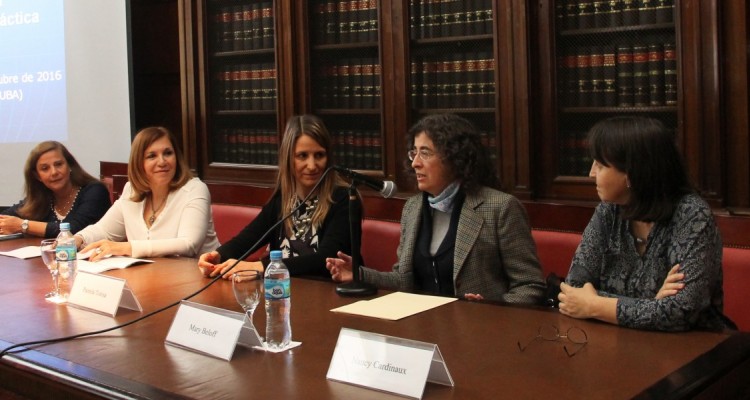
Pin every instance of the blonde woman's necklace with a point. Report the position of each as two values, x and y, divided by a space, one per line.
154 211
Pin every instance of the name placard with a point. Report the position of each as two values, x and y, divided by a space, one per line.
210 330
101 293
387 363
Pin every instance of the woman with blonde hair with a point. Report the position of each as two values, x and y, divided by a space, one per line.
317 229
56 190
163 209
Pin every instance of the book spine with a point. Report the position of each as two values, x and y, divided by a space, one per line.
469 18
424 18
646 12
247 147
268 83
441 80
571 83
267 25
237 31
571 14
247 28
345 84
664 11
428 83
609 73
319 22
377 145
488 17
640 75
368 84
656 74
614 14
256 77
670 74
359 23
458 18
601 13
245 87
585 14
483 65
560 14
583 69
490 78
344 16
624 76
414 19
377 74
597 76
355 71
459 81
471 80
233 149
415 82
257 26
374 27
445 18
333 73
332 23
629 12
430 17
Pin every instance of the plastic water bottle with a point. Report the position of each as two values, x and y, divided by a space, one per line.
278 303
65 255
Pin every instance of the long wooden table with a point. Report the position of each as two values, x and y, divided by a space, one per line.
478 342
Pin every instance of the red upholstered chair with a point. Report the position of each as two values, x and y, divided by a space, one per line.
229 219
379 243
736 265
555 250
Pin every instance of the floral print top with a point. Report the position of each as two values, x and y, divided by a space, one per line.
607 257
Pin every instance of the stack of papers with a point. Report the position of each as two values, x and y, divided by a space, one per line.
24 252
110 263
395 306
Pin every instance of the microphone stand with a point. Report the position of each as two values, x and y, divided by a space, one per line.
355 288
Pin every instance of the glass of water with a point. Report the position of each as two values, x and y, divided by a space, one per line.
248 290
48 256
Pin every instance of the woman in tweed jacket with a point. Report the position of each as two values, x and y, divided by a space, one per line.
459 237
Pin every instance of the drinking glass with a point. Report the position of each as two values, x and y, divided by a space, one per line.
248 290
48 257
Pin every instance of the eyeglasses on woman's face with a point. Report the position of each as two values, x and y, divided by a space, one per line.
424 154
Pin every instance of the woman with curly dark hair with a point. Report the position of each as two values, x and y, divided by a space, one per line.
460 236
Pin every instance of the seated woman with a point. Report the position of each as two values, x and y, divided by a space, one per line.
57 190
650 258
317 230
459 236
162 211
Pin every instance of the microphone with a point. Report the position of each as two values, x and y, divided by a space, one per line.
386 188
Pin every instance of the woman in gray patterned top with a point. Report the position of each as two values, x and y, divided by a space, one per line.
650 257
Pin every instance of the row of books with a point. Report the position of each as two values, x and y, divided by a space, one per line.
586 14
626 75
348 83
358 148
243 27
574 158
445 18
463 80
245 87
246 146
352 21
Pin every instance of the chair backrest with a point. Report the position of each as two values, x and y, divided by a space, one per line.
229 219
555 250
736 269
379 243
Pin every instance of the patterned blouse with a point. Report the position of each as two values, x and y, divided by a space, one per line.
607 258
